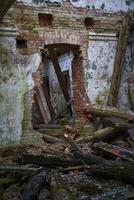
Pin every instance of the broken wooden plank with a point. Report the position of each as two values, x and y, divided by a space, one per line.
113 151
48 100
44 103
58 72
114 170
119 60
118 123
37 99
107 111
38 110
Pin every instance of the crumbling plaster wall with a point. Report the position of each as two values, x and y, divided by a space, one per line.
101 53
98 72
112 5
65 29
106 5
15 80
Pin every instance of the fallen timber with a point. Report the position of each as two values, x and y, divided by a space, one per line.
102 134
33 188
106 169
119 60
100 167
106 111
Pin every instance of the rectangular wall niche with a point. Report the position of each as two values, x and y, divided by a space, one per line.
45 20
21 43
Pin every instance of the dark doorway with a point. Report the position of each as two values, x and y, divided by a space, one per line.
55 96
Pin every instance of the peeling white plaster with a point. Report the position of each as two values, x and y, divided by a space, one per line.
106 5
16 80
98 72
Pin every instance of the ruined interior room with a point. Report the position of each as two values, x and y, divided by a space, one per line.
66 99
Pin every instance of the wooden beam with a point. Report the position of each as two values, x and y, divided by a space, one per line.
38 109
51 110
4 6
44 103
59 74
110 112
38 99
119 61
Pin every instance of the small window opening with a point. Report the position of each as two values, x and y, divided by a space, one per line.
89 21
21 43
45 20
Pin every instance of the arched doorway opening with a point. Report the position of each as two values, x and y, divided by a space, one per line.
58 85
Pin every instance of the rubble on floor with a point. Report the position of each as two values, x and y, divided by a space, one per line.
97 165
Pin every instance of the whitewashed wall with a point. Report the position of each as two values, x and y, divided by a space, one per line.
107 5
98 72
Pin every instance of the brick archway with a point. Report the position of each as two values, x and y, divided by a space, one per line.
79 93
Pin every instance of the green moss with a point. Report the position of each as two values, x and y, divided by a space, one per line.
102 97
99 101
1 97
7 180
89 188
4 54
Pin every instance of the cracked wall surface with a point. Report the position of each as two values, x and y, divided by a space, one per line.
92 68
16 79
99 70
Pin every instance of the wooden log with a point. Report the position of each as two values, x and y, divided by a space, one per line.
106 111
34 186
52 140
119 60
60 161
113 151
100 135
118 123
115 170
18 169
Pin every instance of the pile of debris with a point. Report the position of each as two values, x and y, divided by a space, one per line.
96 166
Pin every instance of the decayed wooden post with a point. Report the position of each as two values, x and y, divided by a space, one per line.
119 60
